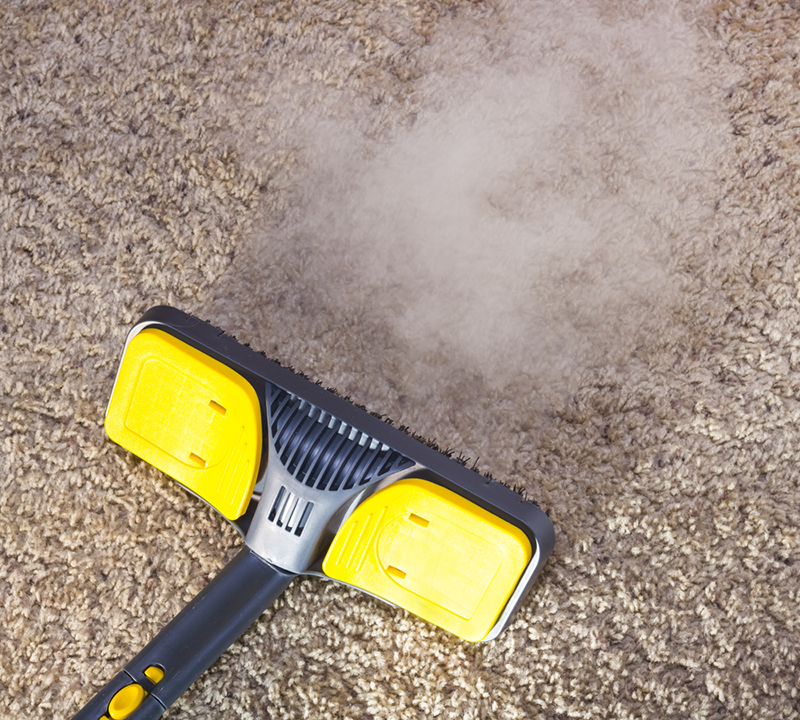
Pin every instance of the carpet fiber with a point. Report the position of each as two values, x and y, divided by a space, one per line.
559 237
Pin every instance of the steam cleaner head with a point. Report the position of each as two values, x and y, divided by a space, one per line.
317 485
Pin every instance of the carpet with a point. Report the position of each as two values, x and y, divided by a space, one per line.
561 238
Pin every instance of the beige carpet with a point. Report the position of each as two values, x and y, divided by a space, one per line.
560 237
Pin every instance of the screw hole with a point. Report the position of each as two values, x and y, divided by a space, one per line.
396 573
216 406
197 460
421 521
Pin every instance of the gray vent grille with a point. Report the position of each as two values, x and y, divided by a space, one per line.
290 512
323 452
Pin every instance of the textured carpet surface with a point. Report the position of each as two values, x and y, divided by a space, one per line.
560 237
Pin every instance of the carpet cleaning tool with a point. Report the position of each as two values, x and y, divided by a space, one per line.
315 485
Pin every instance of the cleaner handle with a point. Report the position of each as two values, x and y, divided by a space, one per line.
191 642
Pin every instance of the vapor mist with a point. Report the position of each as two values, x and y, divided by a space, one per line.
519 214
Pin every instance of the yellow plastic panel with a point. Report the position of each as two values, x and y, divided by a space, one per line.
189 415
432 552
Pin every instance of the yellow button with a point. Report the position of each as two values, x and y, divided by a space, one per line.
126 701
155 674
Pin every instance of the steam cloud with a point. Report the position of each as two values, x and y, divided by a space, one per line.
519 217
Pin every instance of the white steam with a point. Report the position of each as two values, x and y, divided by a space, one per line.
519 216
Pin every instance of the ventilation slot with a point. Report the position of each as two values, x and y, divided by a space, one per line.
290 512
